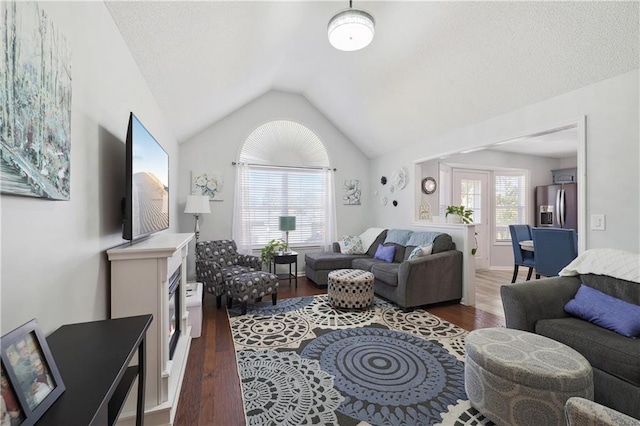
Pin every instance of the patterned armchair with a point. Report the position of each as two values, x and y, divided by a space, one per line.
218 261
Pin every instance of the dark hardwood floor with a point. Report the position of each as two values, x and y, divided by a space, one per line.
210 392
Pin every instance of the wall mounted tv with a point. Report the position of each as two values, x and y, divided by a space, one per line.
146 203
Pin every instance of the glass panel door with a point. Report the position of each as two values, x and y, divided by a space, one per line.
470 189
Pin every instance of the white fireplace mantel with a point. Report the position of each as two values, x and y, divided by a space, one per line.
140 273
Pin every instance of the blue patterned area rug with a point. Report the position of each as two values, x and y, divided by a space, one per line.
302 362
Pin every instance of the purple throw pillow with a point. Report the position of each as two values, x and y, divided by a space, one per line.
385 253
606 311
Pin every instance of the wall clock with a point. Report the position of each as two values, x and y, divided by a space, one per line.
429 185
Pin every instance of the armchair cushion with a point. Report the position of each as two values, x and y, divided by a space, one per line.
606 311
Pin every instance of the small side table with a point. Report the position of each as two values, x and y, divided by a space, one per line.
285 259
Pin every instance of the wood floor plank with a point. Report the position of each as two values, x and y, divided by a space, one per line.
211 392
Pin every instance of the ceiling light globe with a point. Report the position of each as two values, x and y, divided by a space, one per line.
350 30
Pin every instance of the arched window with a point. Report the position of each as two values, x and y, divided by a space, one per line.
283 170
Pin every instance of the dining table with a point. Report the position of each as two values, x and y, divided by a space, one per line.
527 245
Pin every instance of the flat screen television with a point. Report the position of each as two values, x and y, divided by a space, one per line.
146 202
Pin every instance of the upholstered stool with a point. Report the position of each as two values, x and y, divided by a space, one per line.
514 377
350 288
251 286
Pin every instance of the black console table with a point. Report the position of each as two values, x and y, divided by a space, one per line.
285 259
93 359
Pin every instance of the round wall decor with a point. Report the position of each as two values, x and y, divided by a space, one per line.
399 177
429 185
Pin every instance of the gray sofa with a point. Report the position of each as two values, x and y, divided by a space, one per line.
538 307
409 283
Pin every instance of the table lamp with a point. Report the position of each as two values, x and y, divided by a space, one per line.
197 204
287 223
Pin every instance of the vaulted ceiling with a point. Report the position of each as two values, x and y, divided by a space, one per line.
431 68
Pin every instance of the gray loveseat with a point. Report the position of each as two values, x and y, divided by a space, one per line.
409 283
538 307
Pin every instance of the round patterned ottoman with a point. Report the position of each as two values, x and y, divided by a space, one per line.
514 377
251 286
350 288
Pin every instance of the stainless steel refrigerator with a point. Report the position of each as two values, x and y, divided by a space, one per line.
557 206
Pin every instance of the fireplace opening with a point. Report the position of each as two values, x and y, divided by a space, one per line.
174 311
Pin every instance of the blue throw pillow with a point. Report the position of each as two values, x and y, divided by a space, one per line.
385 253
606 311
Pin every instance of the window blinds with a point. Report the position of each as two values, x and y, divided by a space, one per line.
510 202
284 191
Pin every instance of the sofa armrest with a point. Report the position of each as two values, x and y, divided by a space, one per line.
436 277
526 303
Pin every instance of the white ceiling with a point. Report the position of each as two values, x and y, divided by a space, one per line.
431 68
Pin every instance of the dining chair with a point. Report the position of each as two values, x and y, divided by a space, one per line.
554 249
521 257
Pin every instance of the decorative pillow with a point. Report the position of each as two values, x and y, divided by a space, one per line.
351 244
606 311
421 251
385 253
398 236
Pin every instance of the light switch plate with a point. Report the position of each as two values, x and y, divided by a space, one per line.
598 222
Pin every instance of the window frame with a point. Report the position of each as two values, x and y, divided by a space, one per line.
526 174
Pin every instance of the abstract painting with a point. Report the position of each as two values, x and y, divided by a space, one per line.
35 119
207 183
351 192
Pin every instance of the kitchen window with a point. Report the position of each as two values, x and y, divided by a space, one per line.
510 202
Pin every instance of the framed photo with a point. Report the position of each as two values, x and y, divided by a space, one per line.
32 378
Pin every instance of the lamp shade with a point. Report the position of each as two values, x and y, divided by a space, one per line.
197 204
351 29
287 223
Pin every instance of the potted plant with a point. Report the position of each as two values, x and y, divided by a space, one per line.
459 214
272 247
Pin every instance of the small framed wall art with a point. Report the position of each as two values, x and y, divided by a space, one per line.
208 183
351 192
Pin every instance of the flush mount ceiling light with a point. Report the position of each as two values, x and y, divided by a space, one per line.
351 29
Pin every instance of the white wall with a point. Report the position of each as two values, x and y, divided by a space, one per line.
54 266
216 147
612 160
